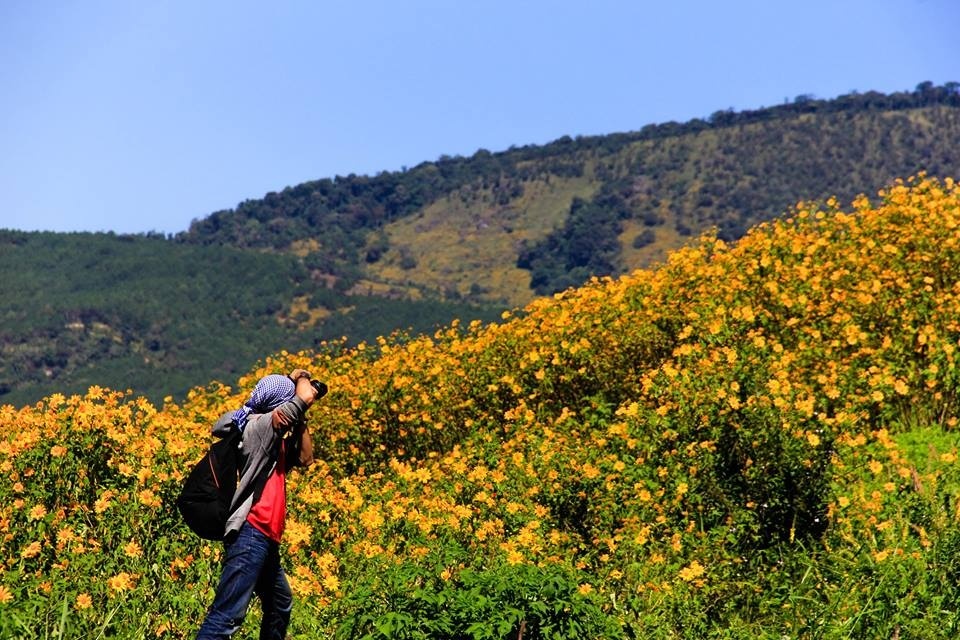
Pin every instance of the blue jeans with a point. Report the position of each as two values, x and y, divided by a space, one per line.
251 566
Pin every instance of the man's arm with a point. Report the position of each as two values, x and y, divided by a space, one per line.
301 453
289 414
293 414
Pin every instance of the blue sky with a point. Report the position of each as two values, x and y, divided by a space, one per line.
142 116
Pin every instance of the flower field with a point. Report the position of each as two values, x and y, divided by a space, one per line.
757 440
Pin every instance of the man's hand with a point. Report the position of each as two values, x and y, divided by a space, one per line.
296 374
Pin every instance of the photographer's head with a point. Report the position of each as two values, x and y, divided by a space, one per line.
270 392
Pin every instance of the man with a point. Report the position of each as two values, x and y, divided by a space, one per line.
275 440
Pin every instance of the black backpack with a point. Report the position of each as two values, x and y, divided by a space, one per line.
204 501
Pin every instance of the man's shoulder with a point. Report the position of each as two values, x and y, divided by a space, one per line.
294 410
258 423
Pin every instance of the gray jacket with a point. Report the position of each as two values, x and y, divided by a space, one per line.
260 451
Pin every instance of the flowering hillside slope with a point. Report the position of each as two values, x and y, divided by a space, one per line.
757 439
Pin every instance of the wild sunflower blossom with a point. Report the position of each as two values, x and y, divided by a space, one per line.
122 582
692 571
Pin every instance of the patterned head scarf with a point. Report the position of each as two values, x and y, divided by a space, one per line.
271 392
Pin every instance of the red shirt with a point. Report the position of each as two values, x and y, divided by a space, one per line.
269 513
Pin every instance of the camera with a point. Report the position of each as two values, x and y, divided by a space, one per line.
320 387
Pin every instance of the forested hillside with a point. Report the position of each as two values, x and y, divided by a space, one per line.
146 314
360 256
534 220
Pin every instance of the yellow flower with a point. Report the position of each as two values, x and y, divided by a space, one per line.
103 502
630 410
692 571
514 557
149 499
585 588
132 549
331 583
83 601
123 581
5 595
676 542
38 512
643 535
297 534
32 550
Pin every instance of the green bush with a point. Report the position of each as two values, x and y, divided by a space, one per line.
407 601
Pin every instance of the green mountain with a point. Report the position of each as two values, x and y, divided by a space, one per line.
535 220
361 256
